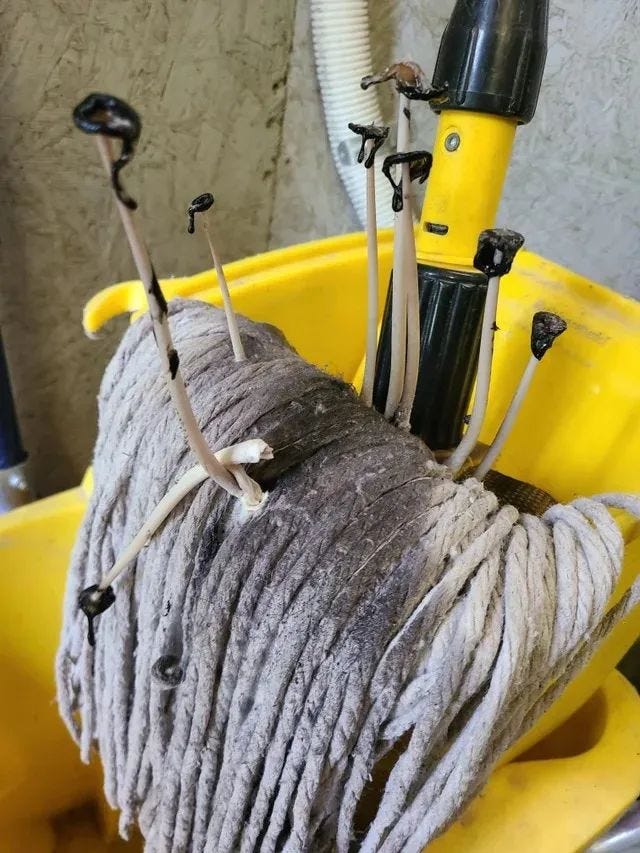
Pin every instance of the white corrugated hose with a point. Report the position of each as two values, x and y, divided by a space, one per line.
343 56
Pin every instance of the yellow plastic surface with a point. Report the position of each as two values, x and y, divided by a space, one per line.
464 185
39 769
579 433
550 801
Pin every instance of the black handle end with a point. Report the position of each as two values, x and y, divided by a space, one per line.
451 309
492 57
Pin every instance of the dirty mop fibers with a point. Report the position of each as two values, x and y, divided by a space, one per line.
256 665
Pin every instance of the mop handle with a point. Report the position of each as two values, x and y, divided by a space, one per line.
489 66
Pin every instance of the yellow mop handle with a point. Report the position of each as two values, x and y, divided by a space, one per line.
470 160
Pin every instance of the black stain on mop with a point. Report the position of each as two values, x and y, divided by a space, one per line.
110 116
200 203
167 669
156 291
407 113
174 362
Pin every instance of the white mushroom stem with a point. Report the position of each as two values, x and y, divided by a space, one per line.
252 494
399 284
168 355
412 365
232 322
457 459
509 420
243 453
372 284
247 452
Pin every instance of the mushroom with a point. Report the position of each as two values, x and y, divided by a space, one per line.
419 168
496 251
94 600
546 327
372 140
109 117
202 204
408 78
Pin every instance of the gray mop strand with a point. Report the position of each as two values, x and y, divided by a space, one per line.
370 599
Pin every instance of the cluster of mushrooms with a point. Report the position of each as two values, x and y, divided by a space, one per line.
109 118
495 254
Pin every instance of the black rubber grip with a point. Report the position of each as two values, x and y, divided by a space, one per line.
492 57
11 450
451 309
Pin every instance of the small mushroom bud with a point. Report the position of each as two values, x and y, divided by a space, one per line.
93 601
110 116
409 80
546 327
419 167
373 134
200 204
497 247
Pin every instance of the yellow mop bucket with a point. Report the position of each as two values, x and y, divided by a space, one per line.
579 433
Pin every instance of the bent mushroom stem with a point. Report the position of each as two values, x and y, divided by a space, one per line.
234 457
372 290
419 163
202 204
107 117
412 362
399 284
409 81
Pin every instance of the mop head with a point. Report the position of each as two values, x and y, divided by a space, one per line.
256 666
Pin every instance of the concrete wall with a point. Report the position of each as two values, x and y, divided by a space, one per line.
210 78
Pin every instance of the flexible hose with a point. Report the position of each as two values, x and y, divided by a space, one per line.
340 30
